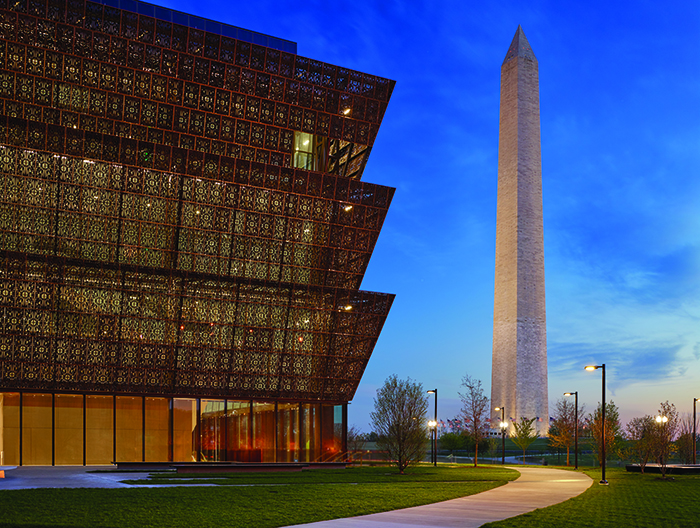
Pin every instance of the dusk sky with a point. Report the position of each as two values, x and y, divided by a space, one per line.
620 117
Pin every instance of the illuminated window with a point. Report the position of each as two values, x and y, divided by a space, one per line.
309 151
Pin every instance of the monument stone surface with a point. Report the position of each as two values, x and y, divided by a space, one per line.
519 370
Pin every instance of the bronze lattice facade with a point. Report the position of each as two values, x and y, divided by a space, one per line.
182 226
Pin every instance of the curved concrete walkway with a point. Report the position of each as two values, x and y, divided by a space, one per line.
535 488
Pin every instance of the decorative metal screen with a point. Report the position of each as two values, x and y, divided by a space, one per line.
155 235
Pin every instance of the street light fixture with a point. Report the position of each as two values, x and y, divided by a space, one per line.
575 393
503 433
602 437
434 391
695 401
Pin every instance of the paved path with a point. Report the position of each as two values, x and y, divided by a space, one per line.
32 477
535 488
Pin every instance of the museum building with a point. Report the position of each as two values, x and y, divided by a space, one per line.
183 235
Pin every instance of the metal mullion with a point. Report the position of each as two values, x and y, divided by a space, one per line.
84 430
143 428
53 429
114 428
225 430
198 436
21 425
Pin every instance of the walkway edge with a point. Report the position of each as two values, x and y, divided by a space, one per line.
535 488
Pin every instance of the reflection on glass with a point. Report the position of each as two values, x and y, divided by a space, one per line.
212 423
332 433
157 429
36 429
99 430
263 432
9 429
310 432
69 429
288 432
184 430
129 429
238 434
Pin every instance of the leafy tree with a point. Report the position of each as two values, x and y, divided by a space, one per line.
665 434
524 433
452 442
640 432
475 408
613 430
562 431
399 417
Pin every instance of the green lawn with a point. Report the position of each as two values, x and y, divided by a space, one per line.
631 500
258 499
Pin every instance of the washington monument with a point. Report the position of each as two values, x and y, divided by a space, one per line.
519 371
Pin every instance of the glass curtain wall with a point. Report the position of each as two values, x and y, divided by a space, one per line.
288 432
212 419
263 432
68 429
9 429
239 431
37 434
185 430
157 429
310 432
332 432
99 430
77 429
129 434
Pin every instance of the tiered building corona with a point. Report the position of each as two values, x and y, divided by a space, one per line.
183 235
519 373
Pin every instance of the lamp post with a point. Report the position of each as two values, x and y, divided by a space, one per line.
662 420
695 401
575 393
503 433
602 437
434 391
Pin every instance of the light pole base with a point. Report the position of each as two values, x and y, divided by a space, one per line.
604 483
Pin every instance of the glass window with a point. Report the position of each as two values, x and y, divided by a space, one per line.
263 432
69 429
310 432
309 151
184 430
332 433
157 429
99 430
9 429
37 437
288 432
212 422
238 434
129 429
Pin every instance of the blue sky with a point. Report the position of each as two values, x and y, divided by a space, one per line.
620 117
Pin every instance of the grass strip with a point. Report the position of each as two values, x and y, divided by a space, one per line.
631 499
262 506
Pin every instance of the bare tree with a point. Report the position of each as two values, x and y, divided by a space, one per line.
667 423
524 433
475 408
640 431
356 440
684 443
399 418
562 430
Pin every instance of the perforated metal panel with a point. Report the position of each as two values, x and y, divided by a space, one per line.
154 235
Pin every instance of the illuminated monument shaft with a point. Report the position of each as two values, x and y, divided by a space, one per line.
519 374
